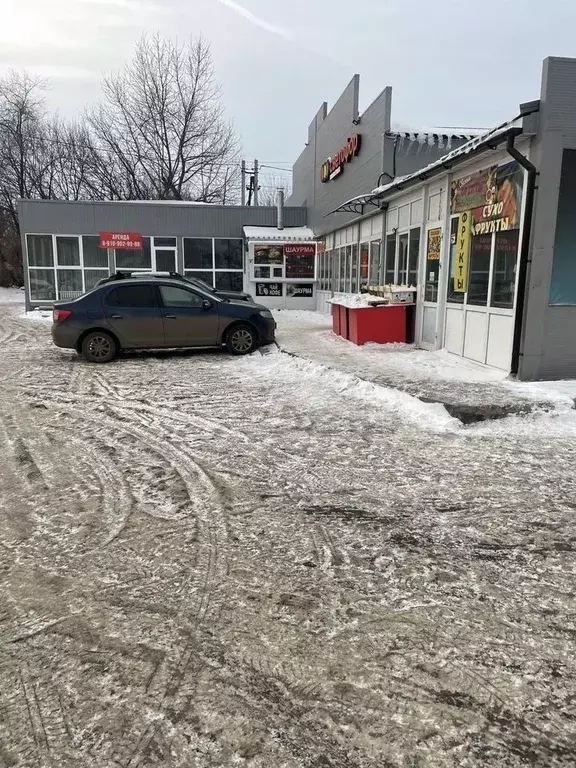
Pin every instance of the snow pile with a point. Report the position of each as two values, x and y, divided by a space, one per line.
38 315
11 295
314 380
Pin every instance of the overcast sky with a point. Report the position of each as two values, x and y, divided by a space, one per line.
450 62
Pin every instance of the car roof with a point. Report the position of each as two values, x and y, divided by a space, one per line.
155 279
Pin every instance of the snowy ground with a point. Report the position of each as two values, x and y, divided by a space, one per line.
264 562
435 375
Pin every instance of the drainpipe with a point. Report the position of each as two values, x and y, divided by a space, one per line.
524 250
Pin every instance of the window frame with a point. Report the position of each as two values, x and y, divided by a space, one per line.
56 268
214 270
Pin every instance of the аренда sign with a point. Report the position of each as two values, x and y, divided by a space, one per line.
128 241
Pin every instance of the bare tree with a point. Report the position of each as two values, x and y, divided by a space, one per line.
160 127
270 184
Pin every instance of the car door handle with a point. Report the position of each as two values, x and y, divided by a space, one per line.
116 317
170 317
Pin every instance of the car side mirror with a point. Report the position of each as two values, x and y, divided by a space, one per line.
206 304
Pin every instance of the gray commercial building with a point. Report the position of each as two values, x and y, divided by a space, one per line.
479 220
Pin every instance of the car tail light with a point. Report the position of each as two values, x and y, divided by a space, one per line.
59 315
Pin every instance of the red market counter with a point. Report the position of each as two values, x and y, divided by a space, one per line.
380 324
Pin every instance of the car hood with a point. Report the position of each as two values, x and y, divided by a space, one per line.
234 295
246 304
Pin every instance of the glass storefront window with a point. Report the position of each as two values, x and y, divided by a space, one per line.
42 285
413 257
504 274
229 281
354 268
390 262
91 277
479 270
68 251
134 259
402 259
228 254
197 274
198 253
342 281
453 296
93 255
40 253
374 263
69 283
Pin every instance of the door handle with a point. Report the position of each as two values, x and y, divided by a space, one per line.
170 317
116 317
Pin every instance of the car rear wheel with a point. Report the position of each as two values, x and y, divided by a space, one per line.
241 340
99 347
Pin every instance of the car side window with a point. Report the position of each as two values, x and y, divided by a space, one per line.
131 296
172 296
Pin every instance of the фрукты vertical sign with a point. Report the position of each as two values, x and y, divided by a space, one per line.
462 252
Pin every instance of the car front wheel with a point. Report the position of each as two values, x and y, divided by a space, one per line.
99 347
241 340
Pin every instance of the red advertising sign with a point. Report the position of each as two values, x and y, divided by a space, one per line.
122 241
300 258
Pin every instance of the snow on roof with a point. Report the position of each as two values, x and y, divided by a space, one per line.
456 132
273 233
456 154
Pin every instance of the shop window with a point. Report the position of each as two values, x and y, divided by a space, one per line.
228 254
413 257
563 283
479 270
347 258
229 281
433 252
40 253
402 258
262 273
69 283
342 279
165 261
93 255
68 251
390 263
219 262
140 259
504 271
375 265
42 285
92 276
198 253
164 242
354 268
455 297
364 263
204 276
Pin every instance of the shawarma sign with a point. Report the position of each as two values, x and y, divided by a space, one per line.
492 196
333 166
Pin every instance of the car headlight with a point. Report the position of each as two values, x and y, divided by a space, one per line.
267 314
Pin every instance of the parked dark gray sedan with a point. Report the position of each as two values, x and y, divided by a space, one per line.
157 313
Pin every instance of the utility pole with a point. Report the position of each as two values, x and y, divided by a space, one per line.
255 182
243 182
250 189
